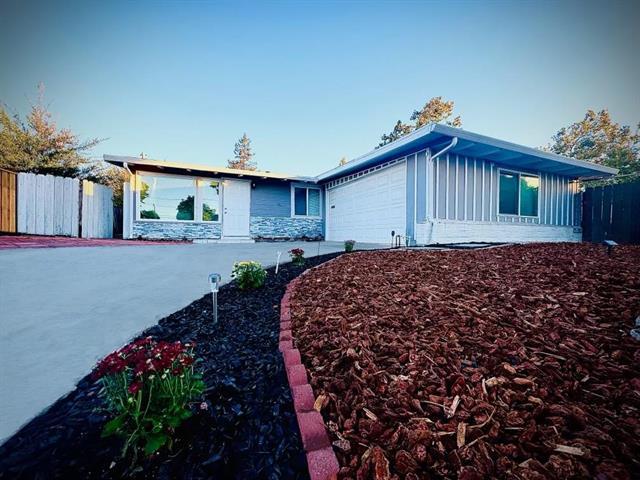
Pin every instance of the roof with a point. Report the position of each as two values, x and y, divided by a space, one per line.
437 136
138 163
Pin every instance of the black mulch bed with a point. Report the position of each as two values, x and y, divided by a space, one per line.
249 430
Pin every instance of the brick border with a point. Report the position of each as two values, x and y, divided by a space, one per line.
321 459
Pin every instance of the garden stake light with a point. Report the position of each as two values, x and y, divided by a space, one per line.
214 281
278 261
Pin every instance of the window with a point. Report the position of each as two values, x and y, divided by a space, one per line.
210 194
518 194
166 198
174 198
306 202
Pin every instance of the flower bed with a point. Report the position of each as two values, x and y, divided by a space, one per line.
512 362
247 427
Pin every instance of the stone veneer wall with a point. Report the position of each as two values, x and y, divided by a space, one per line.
176 230
260 227
286 227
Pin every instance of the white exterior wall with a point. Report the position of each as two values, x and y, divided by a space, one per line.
448 231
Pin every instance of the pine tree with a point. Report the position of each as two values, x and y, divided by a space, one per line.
435 110
243 155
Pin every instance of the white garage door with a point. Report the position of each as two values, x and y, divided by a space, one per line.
369 208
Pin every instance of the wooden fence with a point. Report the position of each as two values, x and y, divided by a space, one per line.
97 211
611 213
50 205
7 201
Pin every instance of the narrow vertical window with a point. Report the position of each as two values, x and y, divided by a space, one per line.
300 199
529 186
508 193
210 201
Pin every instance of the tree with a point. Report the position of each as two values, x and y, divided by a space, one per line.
435 110
597 138
37 145
243 155
343 161
112 177
400 130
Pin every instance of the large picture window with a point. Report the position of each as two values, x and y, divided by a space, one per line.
173 198
306 202
518 194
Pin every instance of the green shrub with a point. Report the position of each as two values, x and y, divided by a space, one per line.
148 387
348 245
248 275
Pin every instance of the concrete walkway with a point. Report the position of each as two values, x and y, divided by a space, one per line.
63 309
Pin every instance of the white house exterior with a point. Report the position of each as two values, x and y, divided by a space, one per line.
437 185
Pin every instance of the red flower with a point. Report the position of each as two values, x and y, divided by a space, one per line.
144 357
134 387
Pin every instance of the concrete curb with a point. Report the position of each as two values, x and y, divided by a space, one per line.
321 459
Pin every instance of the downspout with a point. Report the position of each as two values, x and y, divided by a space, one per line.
127 205
454 142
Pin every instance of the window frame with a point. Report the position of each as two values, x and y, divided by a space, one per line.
519 173
197 201
293 200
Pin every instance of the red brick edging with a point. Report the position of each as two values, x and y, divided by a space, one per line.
321 460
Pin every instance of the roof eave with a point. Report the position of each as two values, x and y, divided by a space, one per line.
139 164
576 168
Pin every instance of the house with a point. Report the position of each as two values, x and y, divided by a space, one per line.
437 185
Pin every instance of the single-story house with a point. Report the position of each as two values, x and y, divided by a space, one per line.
439 184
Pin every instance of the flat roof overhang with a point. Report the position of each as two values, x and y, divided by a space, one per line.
189 169
507 154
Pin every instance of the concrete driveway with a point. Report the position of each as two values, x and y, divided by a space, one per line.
62 309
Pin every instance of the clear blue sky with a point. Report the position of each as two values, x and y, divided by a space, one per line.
311 82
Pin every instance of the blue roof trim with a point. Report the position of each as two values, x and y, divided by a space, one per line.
471 144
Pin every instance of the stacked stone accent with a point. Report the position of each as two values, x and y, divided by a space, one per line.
286 228
176 230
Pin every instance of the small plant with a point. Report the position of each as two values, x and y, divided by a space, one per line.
148 386
297 256
348 245
248 275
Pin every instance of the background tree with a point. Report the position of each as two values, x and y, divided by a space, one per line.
435 110
399 130
36 145
243 155
342 161
597 138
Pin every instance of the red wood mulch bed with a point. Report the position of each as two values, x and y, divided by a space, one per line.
511 362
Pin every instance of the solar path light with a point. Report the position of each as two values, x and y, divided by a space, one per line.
610 244
278 261
214 282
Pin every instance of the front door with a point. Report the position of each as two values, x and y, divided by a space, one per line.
236 205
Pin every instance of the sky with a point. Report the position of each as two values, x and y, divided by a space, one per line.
311 82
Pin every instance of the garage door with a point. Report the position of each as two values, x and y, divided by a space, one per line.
369 208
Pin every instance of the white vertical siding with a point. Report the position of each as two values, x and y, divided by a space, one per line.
466 189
